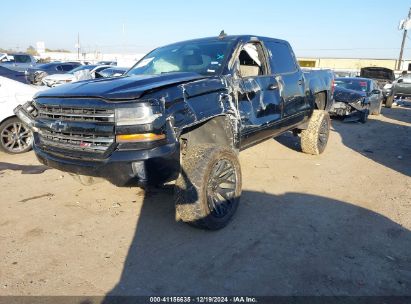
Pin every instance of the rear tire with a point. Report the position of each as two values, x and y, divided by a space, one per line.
207 192
389 101
314 139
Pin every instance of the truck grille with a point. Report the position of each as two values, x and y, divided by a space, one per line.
81 142
76 132
75 114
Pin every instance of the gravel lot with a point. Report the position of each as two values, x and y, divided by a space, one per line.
337 224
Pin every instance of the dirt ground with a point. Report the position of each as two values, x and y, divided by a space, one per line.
335 224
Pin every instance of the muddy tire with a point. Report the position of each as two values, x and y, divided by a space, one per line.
15 136
314 139
207 192
389 101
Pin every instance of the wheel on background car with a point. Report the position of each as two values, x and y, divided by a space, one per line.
314 139
389 101
15 136
207 192
377 110
364 116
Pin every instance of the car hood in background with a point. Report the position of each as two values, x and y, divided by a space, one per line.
346 95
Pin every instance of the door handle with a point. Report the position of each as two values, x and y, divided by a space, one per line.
273 86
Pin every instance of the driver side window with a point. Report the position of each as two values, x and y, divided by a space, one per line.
251 61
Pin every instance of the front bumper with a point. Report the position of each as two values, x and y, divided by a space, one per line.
122 168
150 166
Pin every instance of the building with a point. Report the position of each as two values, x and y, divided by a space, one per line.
352 64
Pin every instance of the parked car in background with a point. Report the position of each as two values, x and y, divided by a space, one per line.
400 88
74 75
35 75
344 73
350 105
384 78
15 136
111 72
18 61
107 63
12 74
366 87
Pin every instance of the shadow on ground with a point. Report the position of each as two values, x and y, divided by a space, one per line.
387 143
290 244
25 169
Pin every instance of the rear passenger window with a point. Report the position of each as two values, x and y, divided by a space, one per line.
281 57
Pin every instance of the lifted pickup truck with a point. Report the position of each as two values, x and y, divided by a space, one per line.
183 113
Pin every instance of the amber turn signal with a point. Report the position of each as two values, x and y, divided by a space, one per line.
144 137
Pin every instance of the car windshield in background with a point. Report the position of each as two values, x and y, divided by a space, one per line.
82 67
353 84
205 58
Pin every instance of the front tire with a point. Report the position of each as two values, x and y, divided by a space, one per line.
15 136
314 139
207 192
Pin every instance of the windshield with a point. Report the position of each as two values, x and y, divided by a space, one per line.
205 58
353 84
82 67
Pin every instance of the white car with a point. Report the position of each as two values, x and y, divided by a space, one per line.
15 137
82 72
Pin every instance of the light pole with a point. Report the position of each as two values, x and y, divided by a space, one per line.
405 28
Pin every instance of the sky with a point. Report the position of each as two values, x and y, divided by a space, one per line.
315 28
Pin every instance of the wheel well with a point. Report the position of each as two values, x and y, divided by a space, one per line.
320 100
217 130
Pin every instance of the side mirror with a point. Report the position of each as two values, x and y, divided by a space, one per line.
376 92
400 80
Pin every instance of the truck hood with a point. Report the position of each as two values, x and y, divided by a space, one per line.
347 96
119 88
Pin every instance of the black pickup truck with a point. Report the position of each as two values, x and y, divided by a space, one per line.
183 113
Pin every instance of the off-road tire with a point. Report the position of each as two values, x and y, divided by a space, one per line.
389 101
314 139
192 188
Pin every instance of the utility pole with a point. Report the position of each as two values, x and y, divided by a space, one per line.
78 45
403 42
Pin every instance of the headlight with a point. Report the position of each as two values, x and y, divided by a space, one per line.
388 86
137 115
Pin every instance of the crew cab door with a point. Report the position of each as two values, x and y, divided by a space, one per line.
291 80
258 95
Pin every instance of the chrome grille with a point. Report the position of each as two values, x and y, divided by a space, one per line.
64 129
75 114
75 141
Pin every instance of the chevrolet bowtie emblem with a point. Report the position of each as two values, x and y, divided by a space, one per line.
58 125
